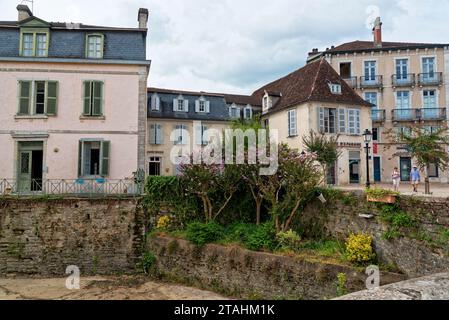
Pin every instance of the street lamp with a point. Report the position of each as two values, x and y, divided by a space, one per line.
367 136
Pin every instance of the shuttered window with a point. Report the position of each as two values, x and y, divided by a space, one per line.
94 46
342 120
94 158
354 121
38 98
292 123
156 134
180 134
93 98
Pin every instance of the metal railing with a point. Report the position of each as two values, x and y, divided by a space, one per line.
405 115
371 82
73 187
430 79
433 114
403 80
352 82
378 115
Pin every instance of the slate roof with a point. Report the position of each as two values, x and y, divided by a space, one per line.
310 83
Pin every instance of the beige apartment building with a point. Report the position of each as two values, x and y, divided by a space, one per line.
409 85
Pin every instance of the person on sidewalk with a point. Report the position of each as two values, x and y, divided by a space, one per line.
415 178
396 176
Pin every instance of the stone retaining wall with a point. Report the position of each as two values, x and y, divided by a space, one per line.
45 236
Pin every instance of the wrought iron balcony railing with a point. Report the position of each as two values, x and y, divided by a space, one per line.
352 82
405 115
436 114
371 82
76 187
378 115
403 80
430 79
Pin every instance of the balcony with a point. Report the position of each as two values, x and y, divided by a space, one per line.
378 115
430 79
352 82
403 80
367 82
433 114
401 115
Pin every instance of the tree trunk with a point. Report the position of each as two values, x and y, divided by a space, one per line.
292 215
258 208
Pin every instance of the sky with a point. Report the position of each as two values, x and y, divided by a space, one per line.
236 46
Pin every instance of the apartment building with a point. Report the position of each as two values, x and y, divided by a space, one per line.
182 118
409 85
316 98
65 90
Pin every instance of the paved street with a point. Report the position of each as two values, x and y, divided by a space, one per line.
437 189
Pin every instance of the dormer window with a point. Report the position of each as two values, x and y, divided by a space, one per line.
202 105
248 112
180 104
335 88
34 43
265 104
155 102
234 112
94 46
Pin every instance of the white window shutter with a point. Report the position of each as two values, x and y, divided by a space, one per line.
175 105
197 105
357 121
207 106
321 119
198 135
351 121
186 105
158 103
158 134
152 134
342 120
230 112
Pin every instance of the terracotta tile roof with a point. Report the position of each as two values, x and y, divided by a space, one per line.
242 99
310 83
369 45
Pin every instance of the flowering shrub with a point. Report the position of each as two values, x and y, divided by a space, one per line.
359 248
163 223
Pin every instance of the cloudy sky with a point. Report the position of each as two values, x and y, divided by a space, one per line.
238 45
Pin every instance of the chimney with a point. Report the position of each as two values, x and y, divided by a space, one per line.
24 12
377 32
143 18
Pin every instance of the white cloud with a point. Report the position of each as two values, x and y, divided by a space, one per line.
236 45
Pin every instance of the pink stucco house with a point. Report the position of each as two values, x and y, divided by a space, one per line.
73 101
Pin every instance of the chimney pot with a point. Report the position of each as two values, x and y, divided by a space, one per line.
23 12
377 32
143 18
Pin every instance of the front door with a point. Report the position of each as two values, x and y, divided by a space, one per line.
24 176
30 167
354 171
406 168
377 169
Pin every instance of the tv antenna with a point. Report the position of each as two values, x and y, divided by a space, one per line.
29 1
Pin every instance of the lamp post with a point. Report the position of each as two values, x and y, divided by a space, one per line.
367 136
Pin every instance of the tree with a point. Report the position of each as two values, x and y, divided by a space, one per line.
325 147
425 146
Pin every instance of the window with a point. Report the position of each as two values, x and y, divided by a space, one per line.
38 98
345 70
370 71
429 97
265 103
433 170
181 133
354 121
327 120
428 68
180 104
376 134
156 134
248 112
155 102
94 47
404 131
402 100
34 43
335 88
292 121
200 136
234 112
342 120
202 106
155 166
371 97
402 70
93 158
93 99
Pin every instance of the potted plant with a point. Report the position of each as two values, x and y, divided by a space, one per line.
381 195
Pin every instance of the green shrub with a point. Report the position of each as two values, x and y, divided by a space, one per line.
289 240
263 237
202 233
147 262
402 220
359 248
341 284
239 232
326 248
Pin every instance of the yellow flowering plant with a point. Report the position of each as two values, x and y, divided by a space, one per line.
359 248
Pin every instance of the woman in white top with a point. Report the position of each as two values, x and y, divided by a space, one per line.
396 176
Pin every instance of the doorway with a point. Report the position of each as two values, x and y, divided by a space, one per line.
345 70
30 166
354 166
406 168
377 169
332 175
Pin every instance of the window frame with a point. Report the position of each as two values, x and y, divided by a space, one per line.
104 144
92 98
292 120
34 32
32 98
156 160
101 36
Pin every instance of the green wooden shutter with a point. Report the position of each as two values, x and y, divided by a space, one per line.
80 159
87 100
25 97
98 98
52 97
105 151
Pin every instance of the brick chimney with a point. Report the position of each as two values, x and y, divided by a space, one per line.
24 12
143 18
377 32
